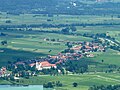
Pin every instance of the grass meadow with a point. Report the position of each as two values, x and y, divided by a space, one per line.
84 80
56 19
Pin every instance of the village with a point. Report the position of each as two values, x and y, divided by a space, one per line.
75 51
60 44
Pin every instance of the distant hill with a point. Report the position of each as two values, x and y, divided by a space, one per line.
60 6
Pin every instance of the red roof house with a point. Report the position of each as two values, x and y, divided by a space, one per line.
44 65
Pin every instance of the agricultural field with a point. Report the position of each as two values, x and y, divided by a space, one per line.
55 19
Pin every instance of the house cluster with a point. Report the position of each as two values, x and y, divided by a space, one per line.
2 71
62 57
89 47
45 63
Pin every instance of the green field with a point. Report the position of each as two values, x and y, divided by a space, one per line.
84 81
109 57
56 19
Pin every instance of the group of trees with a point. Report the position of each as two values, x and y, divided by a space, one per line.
104 35
77 66
103 87
25 71
51 7
4 42
2 34
57 84
75 84
8 78
97 35
19 67
115 47
53 39
67 27
21 70
52 71
52 84
8 21
68 51
70 29
112 68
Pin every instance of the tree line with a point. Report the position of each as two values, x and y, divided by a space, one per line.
105 87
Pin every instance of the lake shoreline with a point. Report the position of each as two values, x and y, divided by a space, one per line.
21 87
